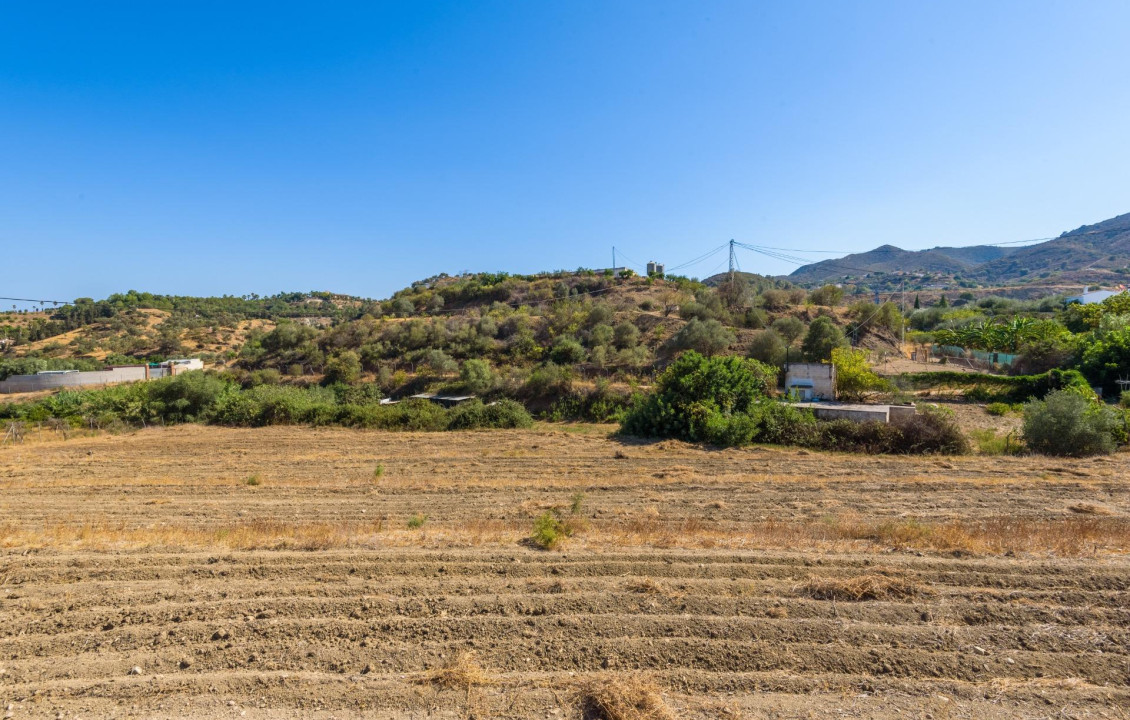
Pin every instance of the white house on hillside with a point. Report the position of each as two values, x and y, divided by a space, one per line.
1093 296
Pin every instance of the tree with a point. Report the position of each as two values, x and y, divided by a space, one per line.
917 303
601 334
1108 359
775 299
704 399
789 328
829 296
853 373
345 367
440 362
626 335
477 376
942 302
822 337
706 337
768 347
1066 422
567 351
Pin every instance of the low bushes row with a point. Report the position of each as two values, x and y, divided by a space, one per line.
983 387
202 397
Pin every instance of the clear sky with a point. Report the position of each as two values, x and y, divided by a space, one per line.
237 147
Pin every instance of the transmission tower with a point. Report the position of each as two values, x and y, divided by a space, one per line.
733 262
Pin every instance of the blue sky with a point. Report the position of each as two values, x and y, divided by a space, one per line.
211 148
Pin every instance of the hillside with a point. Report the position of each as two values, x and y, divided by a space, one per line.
891 259
1092 253
1097 253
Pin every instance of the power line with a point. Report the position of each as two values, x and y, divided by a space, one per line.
698 259
41 302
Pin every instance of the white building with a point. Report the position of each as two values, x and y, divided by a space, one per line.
1093 296
811 381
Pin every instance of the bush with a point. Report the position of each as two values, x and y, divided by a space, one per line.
853 373
1068 423
828 295
982 387
567 351
477 376
626 335
789 328
474 415
998 408
767 346
549 530
692 394
931 430
707 337
344 367
822 337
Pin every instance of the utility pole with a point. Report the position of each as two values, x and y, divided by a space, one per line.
733 262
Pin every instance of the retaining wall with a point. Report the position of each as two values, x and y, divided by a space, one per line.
32 383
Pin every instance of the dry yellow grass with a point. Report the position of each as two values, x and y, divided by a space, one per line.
862 587
622 697
462 672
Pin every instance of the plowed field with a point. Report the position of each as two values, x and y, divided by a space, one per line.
286 572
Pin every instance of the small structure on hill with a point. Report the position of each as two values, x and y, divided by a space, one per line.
811 381
1091 297
445 400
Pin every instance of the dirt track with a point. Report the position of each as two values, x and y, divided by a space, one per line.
308 595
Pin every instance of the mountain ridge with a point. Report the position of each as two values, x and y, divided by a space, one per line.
1099 252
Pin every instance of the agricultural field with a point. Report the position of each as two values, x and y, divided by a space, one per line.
290 572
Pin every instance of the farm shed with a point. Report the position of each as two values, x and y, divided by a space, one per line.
811 381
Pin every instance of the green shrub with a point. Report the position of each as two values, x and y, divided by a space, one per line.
998 408
577 503
474 415
253 480
707 337
378 471
417 521
989 443
1124 399
822 337
549 531
983 387
1068 423
695 395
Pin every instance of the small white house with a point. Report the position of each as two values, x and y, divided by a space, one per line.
811 381
1093 296
184 364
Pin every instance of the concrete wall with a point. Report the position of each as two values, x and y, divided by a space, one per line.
858 412
879 413
31 383
901 412
822 375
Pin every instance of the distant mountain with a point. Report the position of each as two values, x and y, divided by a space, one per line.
891 259
1092 253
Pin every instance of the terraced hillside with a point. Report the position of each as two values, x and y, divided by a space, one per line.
208 572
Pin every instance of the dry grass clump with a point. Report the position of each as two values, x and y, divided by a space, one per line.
622 697
646 586
1086 508
863 587
462 672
